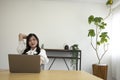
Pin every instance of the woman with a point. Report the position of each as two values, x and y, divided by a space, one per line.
31 47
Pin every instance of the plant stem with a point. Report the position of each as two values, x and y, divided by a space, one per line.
96 48
92 44
110 10
97 33
105 50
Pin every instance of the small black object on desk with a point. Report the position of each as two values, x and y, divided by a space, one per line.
66 47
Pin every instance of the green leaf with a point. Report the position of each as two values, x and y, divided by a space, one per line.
103 40
109 2
98 43
104 34
75 47
98 19
101 27
103 23
91 33
90 19
104 37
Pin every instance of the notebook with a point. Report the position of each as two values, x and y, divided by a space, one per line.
24 63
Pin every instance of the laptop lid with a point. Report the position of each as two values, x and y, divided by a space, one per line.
24 63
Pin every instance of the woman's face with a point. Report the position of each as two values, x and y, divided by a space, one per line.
33 42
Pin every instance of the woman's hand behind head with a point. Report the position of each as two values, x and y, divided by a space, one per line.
22 36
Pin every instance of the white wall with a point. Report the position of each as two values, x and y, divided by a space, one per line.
54 22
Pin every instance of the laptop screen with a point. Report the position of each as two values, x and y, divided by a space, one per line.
24 63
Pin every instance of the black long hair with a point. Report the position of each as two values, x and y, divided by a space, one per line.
27 44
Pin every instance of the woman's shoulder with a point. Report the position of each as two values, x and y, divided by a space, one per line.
42 50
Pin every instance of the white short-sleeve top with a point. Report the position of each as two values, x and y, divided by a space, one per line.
21 47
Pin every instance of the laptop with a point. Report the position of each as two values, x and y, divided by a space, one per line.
24 63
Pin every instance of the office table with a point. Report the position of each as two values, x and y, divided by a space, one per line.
78 58
48 75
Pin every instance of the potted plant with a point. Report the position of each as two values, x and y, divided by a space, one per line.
74 56
99 41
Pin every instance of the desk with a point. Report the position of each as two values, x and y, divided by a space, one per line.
48 75
65 57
